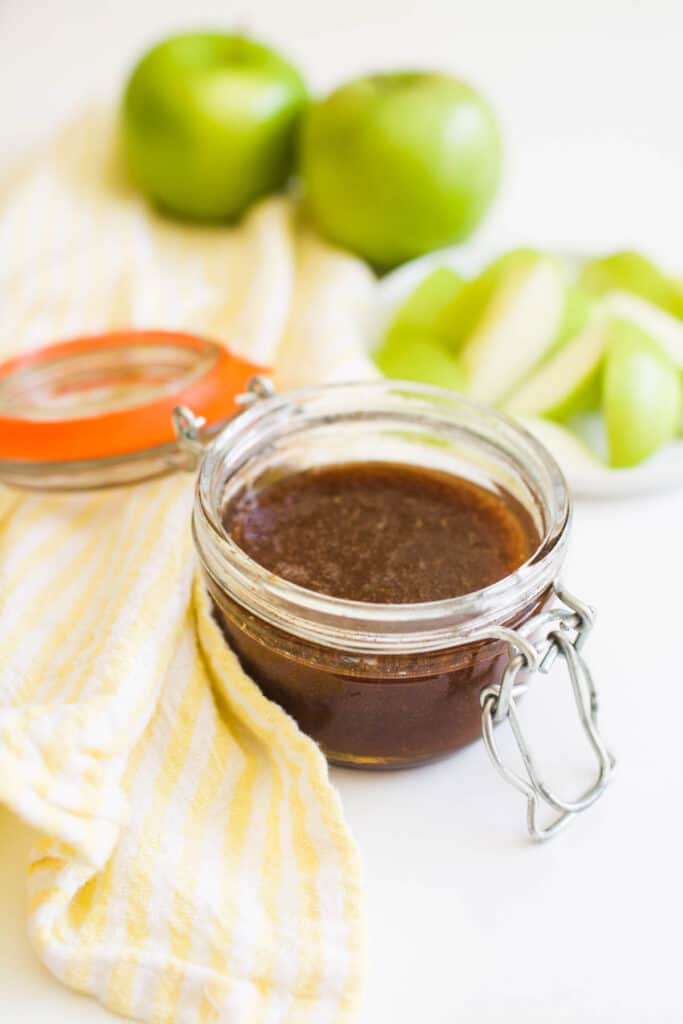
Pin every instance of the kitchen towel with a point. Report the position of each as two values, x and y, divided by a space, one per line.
195 865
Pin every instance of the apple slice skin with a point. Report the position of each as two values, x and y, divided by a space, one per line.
655 321
641 397
517 328
421 312
409 356
578 310
460 317
412 349
567 383
632 272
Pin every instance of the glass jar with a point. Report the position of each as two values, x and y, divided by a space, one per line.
377 685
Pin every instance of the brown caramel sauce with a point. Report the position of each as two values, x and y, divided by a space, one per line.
382 532
379 532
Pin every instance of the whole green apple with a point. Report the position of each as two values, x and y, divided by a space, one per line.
210 123
396 165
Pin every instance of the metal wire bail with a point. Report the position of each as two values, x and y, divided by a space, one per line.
560 632
188 427
258 387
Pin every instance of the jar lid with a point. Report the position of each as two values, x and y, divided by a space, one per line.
97 411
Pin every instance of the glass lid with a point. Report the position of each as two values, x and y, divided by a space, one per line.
97 411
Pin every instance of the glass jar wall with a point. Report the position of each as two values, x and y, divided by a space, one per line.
377 685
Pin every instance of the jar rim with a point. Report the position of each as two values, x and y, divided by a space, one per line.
364 626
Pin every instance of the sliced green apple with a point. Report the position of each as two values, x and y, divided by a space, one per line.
578 310
461 315
517 327
632 272
573 456
641 396
568 382
421 311
660 325
409 356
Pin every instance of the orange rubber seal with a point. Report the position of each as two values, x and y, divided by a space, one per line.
132 429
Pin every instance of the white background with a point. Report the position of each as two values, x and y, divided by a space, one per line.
468 922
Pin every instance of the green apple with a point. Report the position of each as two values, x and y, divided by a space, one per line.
422 311
412 356
568 382
209 123
460 317
641 397
660 325
517 325
578 310
398 164
633 272
412 348
466 309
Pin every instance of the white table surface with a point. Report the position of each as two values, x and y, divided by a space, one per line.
468 921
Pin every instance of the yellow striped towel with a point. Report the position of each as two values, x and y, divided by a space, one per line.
196 866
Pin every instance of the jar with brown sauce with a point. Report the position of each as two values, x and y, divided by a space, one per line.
384 559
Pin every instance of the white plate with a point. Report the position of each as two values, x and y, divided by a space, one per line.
662 472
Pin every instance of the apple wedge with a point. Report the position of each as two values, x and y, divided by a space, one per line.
578 310
633 273
412 348
518 326
422 310
567 383
641 396
410 356
660 325
461 316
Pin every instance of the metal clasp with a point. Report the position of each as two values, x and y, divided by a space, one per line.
258 388
559 632
188 427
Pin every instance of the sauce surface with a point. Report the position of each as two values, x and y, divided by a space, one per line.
382 532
